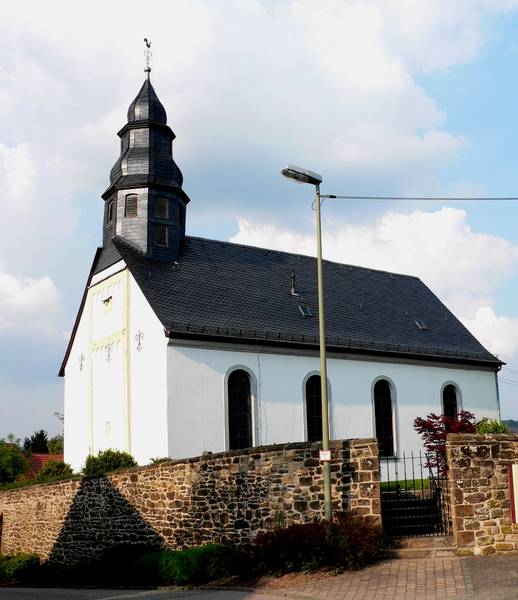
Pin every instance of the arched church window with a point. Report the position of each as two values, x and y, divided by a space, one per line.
450 406
162 235
314 409
131 206
239 410
162 208
383 416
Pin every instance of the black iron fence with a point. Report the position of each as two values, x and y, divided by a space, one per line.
414 496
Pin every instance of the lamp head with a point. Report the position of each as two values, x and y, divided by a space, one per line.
300 175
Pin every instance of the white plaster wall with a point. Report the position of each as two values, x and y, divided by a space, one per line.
115 268
123 380
148 380
196 384
102 378
76 400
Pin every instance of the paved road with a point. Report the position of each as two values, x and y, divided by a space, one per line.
60 594
483 578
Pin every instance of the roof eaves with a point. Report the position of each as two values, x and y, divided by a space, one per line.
333 343
61 372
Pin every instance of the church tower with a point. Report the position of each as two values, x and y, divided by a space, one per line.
144 203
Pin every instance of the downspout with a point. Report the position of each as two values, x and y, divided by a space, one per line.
498 395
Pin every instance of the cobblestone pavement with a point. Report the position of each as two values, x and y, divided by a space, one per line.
404 579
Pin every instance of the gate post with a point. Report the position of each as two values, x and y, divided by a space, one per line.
364 486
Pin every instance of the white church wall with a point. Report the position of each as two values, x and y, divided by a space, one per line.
96 401
76 400
196 380
108 272
117 396
148 345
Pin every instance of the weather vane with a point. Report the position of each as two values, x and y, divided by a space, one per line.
148 54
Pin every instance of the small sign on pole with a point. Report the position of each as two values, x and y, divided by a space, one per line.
325 455
513 492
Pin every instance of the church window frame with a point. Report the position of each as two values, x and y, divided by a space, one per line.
162 208
305 404
458 397
131 206
394 417
161 235
253 405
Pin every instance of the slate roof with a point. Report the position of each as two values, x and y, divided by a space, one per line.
221 290
146 147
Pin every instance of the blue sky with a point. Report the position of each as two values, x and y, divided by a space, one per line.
382 98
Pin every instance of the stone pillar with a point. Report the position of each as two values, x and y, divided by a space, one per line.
479 490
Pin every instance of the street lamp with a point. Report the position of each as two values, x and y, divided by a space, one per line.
300 175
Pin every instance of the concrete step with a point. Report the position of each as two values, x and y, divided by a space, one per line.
426 547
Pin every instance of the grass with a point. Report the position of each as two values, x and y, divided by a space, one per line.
406 484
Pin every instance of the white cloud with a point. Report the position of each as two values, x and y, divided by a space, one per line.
239 78
27 303
464 268
17 176
498 333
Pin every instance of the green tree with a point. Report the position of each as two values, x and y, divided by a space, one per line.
11 439
38 443
12 463
55 444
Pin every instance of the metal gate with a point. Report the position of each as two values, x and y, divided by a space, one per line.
414 495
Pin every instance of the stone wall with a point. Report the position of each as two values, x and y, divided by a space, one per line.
479 489
227 497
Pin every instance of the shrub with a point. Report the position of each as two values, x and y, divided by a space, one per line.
200 564
492 426
434 430
12 463
158 460
348 542
21 568
106 461
54 470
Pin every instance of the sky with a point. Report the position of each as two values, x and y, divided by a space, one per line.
405 97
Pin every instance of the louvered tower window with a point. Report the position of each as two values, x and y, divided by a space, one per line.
383 414
181 215
314 409
449 401
161 235
239 410
109 212
131 205
162 208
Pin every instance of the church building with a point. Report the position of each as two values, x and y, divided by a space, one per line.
184 344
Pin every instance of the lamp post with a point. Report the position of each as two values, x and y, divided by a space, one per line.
300 175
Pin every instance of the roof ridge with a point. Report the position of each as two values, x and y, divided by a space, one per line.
297 254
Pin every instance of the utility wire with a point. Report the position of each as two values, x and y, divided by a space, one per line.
430 198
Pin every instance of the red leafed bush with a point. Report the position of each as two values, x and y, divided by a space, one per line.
434 430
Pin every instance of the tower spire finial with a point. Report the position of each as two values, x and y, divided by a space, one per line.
148 54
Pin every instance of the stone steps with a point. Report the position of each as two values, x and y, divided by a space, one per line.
440 546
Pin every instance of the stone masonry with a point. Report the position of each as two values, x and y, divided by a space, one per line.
479 488
227 498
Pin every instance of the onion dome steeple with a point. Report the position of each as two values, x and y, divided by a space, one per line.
145 203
